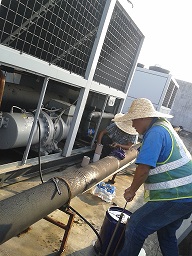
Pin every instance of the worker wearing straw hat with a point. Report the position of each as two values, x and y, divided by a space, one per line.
117 135
164 166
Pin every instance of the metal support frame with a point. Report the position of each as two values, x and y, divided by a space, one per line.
102 30
66 227
99 122
46 80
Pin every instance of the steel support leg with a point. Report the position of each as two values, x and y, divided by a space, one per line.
66 227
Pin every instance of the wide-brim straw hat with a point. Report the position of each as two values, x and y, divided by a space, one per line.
141 108
124 126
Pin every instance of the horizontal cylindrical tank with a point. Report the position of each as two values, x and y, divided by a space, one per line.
16 127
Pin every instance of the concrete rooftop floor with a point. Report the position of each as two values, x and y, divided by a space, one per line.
44 239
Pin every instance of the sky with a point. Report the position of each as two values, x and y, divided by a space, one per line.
167 27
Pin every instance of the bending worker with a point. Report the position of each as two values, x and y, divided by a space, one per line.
116 135
164 166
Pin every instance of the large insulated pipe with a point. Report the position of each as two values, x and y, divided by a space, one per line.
24 209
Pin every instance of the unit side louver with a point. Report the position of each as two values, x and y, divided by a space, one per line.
119 50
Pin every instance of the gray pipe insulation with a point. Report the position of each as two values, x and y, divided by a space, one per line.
96 114
24 209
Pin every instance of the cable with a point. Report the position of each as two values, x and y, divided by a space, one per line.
89 224
62 112
130 3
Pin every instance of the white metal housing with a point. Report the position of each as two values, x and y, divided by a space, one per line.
156 86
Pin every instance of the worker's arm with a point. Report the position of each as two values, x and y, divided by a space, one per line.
141 174
123 146
100 136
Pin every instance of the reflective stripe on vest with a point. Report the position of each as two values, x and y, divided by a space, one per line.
169 184
185 158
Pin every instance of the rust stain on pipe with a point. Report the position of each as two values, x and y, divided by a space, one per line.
2 85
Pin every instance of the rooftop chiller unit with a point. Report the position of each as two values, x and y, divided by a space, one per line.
67 67
156 84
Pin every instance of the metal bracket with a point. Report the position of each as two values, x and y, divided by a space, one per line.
56 181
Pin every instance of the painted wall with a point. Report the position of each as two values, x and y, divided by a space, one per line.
182 107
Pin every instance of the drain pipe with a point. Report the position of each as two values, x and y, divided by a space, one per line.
24 209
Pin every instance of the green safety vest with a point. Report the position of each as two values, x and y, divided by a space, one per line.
171 179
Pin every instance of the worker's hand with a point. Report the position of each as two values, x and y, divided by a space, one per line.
114 145
128 195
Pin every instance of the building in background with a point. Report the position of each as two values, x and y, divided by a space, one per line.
182 107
